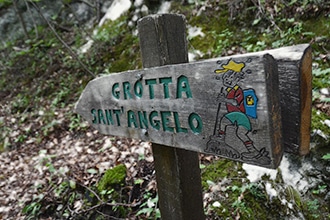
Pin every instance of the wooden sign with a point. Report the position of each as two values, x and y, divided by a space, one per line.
227 107
295 85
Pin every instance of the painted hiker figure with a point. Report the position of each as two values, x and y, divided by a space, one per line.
241 105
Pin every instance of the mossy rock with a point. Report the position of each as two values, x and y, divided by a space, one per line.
113 178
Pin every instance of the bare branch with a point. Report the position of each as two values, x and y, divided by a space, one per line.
77 18
92 191
62 41
34 23
98 10
20 17
106 203
88 3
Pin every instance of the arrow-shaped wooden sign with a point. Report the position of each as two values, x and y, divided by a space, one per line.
227 107
230 107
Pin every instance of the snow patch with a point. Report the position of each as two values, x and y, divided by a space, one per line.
255 172
144 9
327 122
320 133
194 31
193 54
325 91
270 191
84 48
216 204
164 7
138 3
291 176
117 8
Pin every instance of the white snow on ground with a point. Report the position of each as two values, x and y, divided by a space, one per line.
193 54
327 122
84 48
255 172
320 133
164 7
290 176
270 190
138 3
194 31
117 8
325 91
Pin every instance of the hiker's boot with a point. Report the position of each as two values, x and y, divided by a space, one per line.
252 151
221 134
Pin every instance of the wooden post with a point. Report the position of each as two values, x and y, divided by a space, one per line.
163 41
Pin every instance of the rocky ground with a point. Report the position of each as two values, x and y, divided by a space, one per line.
80 157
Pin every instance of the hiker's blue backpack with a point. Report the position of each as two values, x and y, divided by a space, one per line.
250 102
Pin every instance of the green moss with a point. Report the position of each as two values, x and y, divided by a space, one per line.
318 119
214 23
322 27
126 58
118 46
112 178
220 38
5 3
249 200
219 170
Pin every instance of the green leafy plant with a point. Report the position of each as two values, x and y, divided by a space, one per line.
242 196
149 209
319 189
319 127
110 30
33 209
313 207
224 41
76 122
321 79
240 208
21 103
326 157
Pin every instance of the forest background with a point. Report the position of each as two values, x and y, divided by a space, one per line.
53 165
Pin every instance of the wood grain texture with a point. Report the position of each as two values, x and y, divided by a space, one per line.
162 42
295 75
275 117
305 69
295 83
295 78
186 117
